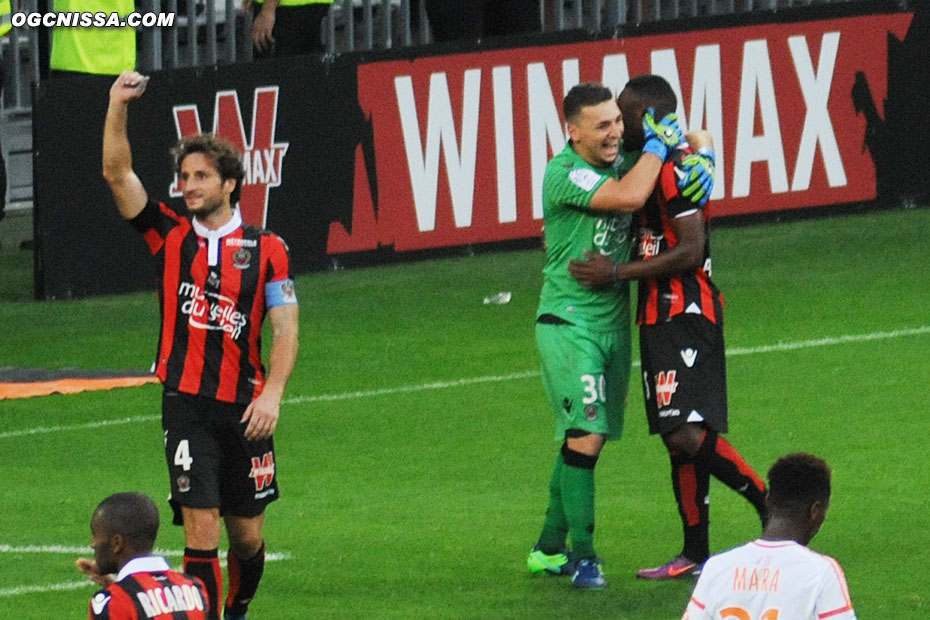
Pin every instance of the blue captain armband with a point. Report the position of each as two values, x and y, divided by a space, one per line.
280 293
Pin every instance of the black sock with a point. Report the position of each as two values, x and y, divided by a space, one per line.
726 464
244 576
205 565
691 483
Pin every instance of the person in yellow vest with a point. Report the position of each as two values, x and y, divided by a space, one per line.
6 24
287 27
99 51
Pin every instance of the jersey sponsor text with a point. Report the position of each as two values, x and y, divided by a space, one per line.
203 306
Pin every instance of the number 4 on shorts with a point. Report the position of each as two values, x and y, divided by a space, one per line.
182 456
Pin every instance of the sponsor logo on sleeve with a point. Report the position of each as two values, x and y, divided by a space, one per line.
584 178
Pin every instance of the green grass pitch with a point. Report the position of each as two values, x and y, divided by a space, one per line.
415 443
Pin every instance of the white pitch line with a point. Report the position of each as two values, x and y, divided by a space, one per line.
49 587
422 387
85 583
78 550
441 385
41 430
830 341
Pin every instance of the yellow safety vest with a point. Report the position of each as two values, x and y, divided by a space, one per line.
298 2
103 51
6 17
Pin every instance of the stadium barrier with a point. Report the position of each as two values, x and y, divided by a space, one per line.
367 157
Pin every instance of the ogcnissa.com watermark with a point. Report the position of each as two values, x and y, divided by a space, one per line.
95 20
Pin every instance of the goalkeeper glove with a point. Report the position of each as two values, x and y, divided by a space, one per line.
696 175
660 137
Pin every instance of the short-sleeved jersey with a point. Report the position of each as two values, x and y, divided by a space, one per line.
212 291
150 591
690 292
771 580
571 227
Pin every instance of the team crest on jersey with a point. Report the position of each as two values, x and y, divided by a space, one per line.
262 470
241 259
184 484
665 387
590 413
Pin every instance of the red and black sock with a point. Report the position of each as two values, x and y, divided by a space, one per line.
726 464
691 483
244 576
206 566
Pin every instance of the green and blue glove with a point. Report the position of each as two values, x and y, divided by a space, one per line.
696 175
661 137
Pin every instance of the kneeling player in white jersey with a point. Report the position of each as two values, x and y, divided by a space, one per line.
777 577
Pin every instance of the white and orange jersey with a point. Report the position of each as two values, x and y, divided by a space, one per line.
770 580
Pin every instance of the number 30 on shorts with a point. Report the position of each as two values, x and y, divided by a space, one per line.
182 455
595 388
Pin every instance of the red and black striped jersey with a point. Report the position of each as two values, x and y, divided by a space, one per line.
690 292
151 594
213 293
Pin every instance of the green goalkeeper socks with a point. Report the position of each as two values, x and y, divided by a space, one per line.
578 500
555 527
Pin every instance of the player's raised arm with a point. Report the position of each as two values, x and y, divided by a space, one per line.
127 189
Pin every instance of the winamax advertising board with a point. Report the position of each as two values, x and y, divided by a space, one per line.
377 156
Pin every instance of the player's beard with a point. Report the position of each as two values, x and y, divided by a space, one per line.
106 562
207 208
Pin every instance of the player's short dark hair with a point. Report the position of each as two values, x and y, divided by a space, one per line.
798 480
655 92
222 152
134 516
584 95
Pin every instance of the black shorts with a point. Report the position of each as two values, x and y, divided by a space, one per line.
211 463
684 374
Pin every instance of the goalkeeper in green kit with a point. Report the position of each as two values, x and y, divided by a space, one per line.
583 335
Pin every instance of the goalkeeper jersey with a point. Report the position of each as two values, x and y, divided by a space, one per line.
771 580
571 227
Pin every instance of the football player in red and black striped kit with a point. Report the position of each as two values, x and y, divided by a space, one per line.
680 315
123 531
219 279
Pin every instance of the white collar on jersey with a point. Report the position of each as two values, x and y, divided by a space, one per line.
213 236
143 564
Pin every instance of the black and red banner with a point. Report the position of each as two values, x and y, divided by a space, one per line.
365 156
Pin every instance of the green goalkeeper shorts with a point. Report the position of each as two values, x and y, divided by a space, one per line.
586 375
